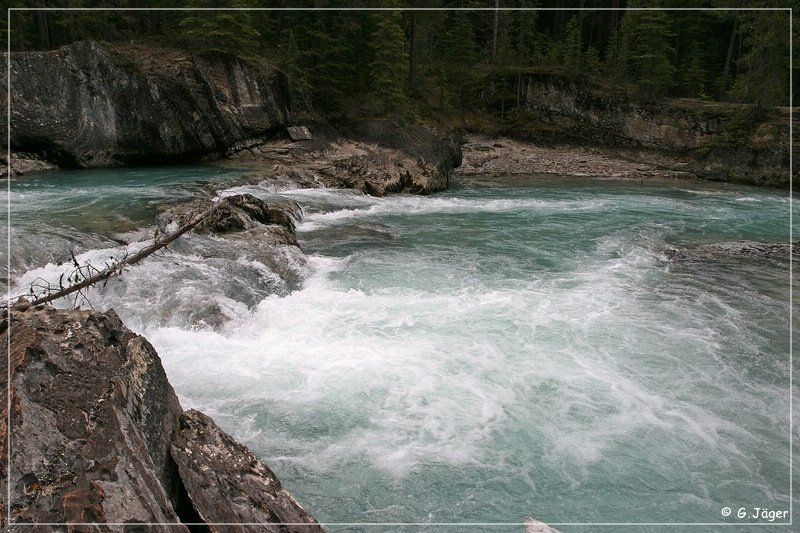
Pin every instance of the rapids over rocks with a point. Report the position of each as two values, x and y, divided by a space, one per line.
579 351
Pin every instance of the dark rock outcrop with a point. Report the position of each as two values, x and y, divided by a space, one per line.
227 483
97 435
88 105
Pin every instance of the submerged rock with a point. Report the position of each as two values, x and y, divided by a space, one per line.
98 435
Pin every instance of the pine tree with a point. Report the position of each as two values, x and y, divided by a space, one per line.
693 75
225 32
525 34
457 52
591 61
572 46
298 78
646 51
389 60
328 57
765 77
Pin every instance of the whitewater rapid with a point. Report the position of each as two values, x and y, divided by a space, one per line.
491 352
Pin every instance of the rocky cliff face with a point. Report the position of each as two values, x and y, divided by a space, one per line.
97 435
87 105
714 141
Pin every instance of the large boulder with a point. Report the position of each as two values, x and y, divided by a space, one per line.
97 435
377 157
89 105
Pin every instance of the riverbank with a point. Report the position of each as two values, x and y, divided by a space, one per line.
487 156
163 106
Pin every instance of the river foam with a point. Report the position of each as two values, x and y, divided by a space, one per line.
492 352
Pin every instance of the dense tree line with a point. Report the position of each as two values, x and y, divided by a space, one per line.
414 61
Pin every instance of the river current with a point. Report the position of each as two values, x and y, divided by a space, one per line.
509 347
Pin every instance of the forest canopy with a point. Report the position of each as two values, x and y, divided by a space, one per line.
403 60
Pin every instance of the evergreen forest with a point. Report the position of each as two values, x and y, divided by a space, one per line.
418 62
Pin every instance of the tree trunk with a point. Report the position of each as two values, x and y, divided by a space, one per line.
116 268
494 31
44 30
414 55
731 45
612 29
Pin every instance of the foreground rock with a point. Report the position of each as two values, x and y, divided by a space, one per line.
376 157
89 105
97 435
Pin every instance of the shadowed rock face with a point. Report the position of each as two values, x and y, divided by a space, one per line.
84 105
97 435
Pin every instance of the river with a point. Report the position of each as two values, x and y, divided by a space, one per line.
509 347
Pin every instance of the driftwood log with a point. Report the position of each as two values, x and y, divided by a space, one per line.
117 267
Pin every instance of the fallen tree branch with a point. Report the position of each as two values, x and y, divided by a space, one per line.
116 268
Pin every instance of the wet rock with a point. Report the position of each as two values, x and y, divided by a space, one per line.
238 213
92 418
91 105
228 484
261 231
97 435
735 249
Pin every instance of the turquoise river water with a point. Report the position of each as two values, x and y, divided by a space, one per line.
510 347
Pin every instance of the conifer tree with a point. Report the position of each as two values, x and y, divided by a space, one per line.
764 80
646 51
525 34
389 59
457 51
591 61
226 32
572 46
693 75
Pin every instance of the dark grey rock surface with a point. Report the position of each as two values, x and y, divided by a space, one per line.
87 105
97 435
